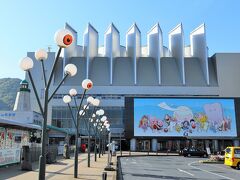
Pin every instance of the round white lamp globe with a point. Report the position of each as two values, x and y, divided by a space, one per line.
104 118
87 84
63 38
81 113
73 92
41 55
70 69
26 64
85 107
90 99
101 112
67 99
96 102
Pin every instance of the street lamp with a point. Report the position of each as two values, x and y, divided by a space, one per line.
96 124
108 167
96 103
86 84
63 39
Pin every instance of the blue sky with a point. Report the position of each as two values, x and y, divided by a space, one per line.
28 25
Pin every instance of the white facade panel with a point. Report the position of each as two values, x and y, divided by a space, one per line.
199 48
112 46
166 52
90 48
133 46
187 51
176 47
123 51
155 47
144 51
101 51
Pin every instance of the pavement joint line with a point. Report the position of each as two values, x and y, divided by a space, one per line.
52 174
185 172
223 168
191 165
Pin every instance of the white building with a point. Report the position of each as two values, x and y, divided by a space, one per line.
136 70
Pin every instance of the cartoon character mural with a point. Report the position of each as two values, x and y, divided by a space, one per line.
155 124
216 119
201 121
181 120
181 113
144 123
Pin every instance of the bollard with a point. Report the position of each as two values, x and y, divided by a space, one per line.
104 176
26 163
66 151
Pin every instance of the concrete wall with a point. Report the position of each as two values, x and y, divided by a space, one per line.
228 74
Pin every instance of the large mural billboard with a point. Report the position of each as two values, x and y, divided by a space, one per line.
184 117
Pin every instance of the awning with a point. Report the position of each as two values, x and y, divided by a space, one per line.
49 127
15 124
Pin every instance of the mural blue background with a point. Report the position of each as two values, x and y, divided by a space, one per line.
204 122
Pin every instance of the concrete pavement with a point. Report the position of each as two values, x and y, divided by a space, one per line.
174 168
63 169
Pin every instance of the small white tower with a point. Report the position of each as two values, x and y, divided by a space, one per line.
22 102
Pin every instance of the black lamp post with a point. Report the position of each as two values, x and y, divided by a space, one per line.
86 84
63 38
108 167
96 103
97 124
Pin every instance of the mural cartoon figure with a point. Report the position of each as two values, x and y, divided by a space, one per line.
201 121
170 122
167 119
225 126
214 113
180 114
177 127
160 124
154 124
193 124
186 128
144 123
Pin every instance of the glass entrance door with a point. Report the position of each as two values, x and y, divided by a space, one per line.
146 145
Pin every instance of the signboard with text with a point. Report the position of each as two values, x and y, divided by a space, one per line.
9 156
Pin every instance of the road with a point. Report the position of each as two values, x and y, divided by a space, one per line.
175 168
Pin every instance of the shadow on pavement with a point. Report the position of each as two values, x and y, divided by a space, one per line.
60 163
11 171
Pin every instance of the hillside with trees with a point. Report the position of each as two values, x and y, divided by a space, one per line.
8 91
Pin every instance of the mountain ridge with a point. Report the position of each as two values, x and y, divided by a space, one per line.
8 91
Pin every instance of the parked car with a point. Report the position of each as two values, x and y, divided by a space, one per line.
232 157
194 152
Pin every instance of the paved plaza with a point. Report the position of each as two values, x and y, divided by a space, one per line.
174 168
134 166
63 169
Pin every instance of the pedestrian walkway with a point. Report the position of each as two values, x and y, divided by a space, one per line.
63 169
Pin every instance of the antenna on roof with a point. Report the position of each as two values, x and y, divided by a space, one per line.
49 48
